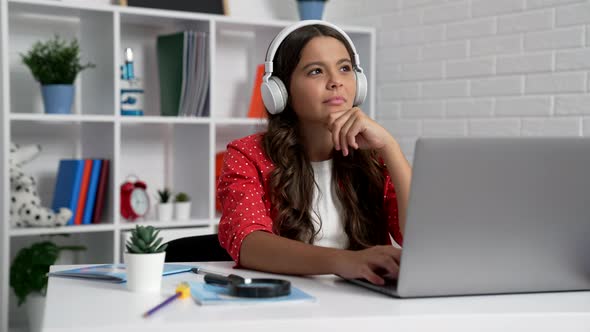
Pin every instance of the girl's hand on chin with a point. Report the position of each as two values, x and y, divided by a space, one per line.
353 129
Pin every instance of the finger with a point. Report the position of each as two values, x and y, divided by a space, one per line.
352 133
393 271
388 264
333 117
335 131
336 127
344 133
372 277
395 253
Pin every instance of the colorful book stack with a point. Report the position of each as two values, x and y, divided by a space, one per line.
81 186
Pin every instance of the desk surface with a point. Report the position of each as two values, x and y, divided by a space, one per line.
82 305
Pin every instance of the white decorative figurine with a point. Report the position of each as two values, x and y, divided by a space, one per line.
25 204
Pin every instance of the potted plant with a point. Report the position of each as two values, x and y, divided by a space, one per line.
55 64
311 9
182 206
164 205
144 259
28 277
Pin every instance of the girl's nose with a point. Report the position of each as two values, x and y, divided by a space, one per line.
334 83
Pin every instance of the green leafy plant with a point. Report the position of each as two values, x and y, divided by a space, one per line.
182 197
145 240
55 61
28 271
164 195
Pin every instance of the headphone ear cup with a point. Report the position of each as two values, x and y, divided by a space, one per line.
274 95
361 88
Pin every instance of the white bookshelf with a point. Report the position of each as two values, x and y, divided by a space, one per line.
162 151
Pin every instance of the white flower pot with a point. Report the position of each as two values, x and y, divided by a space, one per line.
165 211
35 307
144 271
183 210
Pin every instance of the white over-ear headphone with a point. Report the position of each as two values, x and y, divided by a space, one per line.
274 92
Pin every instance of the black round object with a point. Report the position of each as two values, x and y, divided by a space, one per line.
253 288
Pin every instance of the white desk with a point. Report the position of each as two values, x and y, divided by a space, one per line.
80 305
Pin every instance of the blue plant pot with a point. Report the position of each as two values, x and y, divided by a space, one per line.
58 98
311 10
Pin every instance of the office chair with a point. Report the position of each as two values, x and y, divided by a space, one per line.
201 248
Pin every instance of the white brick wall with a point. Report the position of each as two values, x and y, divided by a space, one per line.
478 67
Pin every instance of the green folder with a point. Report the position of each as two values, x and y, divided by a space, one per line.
170 58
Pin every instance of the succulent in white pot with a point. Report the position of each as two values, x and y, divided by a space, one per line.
182 206
165 206
144 259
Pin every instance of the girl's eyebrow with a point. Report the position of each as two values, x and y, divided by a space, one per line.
323 64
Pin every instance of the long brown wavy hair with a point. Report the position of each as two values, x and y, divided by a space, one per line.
359 177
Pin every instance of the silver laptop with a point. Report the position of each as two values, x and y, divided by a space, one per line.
496 215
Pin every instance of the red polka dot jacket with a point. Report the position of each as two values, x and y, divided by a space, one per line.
243 188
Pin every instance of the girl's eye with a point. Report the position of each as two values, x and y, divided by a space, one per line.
314 72
346 68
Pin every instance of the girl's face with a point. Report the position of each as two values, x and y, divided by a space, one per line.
323 81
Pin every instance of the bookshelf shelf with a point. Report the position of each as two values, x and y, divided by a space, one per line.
61 230
164 120
174 152
168 224
239 121
61 118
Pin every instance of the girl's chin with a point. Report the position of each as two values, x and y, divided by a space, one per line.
337 109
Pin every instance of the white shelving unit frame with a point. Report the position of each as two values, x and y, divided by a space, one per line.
161 149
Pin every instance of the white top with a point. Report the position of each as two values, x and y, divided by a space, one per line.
91 306
327 208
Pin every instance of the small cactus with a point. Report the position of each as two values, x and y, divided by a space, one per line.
182 197
164 195
145 240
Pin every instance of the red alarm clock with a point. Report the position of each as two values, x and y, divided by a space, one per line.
135 202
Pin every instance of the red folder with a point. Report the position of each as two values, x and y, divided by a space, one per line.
257 109
218 165
83 192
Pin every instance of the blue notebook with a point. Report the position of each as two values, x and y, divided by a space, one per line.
207 294
67 186
92 190
112 272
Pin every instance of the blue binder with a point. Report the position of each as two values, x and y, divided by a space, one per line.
67 186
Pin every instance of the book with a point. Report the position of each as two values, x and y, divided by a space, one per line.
207 294
92 189
171 52
67 186
219 157
115 273
102 189
257 109
202 73
83 191
210 6
183 67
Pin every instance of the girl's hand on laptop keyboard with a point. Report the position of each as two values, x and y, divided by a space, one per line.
373 264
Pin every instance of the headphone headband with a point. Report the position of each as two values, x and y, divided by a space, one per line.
274 92
278 40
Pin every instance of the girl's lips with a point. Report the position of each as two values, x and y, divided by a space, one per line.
335 101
